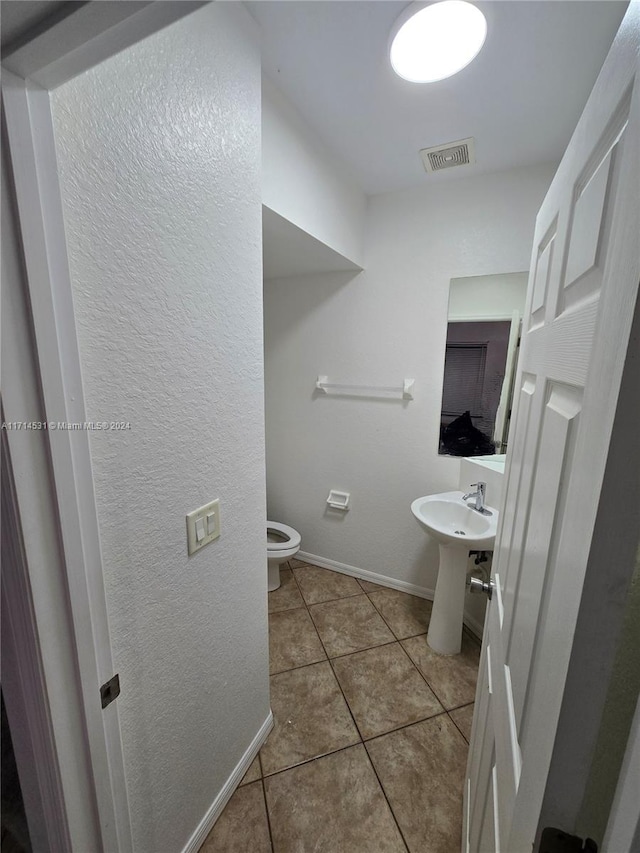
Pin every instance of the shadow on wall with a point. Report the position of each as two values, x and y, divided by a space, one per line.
304 296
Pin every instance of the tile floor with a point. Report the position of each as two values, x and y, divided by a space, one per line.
369 746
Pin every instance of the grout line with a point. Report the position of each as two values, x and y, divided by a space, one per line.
411 636
327 600
384 794
423 676
332 600
430 686
358 651
314 758
461 705
348 654
406 726
266 808
302 666
458 727
288 610
381 615
346 701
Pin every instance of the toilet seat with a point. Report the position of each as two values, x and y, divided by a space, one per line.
291 537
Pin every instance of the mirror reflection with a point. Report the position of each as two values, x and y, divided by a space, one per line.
483 337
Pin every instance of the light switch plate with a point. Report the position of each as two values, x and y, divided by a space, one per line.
210 515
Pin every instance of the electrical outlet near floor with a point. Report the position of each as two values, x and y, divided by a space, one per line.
203 526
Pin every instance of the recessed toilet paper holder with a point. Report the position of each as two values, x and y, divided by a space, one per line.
338 500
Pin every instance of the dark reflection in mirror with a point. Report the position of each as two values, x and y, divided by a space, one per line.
483 336
474 372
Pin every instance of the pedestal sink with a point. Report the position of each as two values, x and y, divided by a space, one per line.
458 528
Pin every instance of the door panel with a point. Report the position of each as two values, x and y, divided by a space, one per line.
483 759
591 214
558 418
541 277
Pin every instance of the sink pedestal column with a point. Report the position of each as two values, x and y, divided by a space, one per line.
445 626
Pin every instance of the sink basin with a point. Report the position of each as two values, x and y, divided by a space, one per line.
451 521
458 529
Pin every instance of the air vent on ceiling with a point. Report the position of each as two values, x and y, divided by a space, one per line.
460 153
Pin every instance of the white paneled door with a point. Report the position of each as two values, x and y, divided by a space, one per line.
581 301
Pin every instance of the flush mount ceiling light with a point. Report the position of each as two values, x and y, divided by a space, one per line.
434 41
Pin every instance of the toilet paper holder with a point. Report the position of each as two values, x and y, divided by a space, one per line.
338 500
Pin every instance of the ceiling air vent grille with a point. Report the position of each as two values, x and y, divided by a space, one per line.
460 153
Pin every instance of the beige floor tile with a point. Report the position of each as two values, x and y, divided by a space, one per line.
243 824
324 585
451 677
287 596
349 625
331 805
384 689
463 717
422 769
254 772
406 615
295 563
293 641
311 718
367 586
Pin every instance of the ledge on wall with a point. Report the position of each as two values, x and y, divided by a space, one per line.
290 251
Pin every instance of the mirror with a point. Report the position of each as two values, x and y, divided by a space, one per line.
483 336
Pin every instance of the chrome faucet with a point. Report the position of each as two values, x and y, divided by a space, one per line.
479 496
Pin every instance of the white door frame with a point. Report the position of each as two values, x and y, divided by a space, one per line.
76 44
26 698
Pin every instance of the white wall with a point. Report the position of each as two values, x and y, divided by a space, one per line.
159 154
387 322
490 296
304 183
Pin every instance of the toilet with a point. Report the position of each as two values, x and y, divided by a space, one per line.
283 543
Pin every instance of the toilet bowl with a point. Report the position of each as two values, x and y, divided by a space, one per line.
283 543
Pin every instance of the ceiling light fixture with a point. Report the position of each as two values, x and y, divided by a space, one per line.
434 41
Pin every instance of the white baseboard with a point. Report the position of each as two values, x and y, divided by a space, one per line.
365 575
215 809
384 580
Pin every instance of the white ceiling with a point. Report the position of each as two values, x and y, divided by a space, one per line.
19 18
520 98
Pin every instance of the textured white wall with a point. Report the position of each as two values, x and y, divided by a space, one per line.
159 153
387 322
306 185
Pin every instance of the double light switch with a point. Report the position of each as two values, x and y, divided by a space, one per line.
203 526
